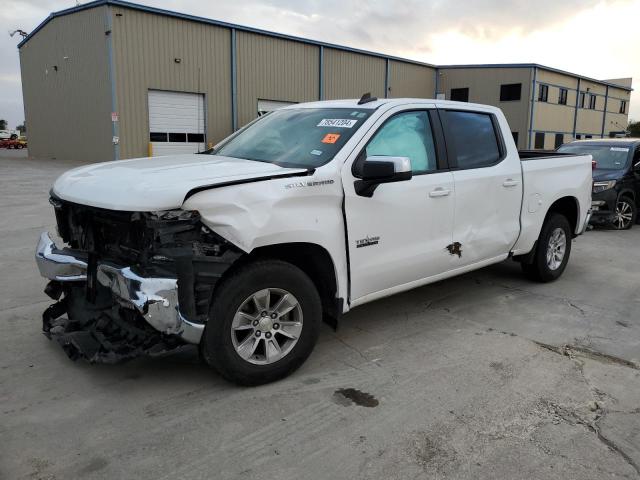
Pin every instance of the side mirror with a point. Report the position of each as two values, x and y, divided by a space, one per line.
379 169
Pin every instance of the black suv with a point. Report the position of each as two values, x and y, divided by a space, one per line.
616 179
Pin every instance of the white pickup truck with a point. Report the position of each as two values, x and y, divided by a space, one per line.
300 216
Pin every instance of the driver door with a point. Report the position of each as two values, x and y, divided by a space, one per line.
399 235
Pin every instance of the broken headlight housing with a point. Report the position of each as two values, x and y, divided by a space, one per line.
176 214
602 186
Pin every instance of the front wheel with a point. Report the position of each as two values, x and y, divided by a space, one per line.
552 250
263 323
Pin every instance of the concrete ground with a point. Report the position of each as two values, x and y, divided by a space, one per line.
483 376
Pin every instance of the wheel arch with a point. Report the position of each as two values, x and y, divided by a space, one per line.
312 259
569 207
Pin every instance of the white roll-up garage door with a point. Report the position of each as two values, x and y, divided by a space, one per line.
176 122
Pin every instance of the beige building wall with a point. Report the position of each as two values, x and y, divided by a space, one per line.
350 75
551 116
484 87
274 69
410 80
66 88
616 121
590 121
145 47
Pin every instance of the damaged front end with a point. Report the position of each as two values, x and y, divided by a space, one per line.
129 283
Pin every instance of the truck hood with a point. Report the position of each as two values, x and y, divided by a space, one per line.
157 183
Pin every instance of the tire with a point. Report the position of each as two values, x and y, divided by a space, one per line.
626 214
543 269
234 311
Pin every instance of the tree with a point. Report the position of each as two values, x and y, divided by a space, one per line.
634 128
22 128
3 124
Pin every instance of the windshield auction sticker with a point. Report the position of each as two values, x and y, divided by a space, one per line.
331 138
619 149
337 122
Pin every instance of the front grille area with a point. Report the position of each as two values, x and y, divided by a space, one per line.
171 244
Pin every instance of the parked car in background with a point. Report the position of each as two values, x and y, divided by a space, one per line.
302 215
616 179
8 134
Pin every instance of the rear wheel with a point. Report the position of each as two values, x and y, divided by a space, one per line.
263 323
625 215
552 250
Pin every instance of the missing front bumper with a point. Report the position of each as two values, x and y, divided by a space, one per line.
154 299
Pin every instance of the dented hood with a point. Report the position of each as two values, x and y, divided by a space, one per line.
157 183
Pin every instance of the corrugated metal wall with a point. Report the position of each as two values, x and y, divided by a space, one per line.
350 75
484 87
145 49
410 80
274 69
68 109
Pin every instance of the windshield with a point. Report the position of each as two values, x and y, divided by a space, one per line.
300 137
607 157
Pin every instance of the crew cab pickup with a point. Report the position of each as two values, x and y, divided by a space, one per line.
300 216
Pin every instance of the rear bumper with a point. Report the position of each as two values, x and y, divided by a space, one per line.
156 299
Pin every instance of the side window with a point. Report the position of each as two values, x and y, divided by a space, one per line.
473 138
406 135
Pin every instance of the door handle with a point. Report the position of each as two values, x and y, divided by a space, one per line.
509 182
439 192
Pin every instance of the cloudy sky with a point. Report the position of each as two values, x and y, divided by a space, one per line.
596 38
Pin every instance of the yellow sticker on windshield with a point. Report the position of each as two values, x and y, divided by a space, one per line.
331 138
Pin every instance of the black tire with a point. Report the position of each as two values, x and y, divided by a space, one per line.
217 344
625 225
538 269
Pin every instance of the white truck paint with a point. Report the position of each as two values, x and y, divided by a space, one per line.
408 233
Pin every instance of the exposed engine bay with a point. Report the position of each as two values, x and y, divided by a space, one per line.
141 282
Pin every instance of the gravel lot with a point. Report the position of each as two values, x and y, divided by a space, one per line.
483 376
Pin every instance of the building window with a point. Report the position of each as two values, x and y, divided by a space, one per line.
539 140
195 137
157 137
459 94
543 93
578 137
178 137
562 98
592 101
581 102
510 92
515 137
623 106
588 136
559 140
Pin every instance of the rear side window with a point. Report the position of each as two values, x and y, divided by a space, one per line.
473 138
406 135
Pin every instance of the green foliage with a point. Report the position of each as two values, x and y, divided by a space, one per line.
3 124
634 128
22 129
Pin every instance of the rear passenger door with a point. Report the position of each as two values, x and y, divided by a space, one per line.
488 185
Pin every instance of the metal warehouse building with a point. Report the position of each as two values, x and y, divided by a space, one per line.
545 106
111 79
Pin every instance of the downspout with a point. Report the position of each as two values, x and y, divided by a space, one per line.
437 83
115 127
533 104
386 79
575 115
321 74
604 114
234 82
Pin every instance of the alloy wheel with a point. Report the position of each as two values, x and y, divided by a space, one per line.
267 326
556 249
